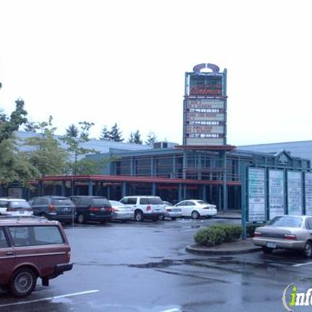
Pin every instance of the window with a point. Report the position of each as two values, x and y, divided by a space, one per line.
3 241
20 236
131 201
44 235
309 223
35 235
3 204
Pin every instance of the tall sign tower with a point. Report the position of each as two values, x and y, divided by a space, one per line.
204 107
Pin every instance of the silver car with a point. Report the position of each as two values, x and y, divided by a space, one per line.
121 212
286 232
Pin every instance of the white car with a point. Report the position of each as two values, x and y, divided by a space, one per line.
15 207
196 208
171 212
145 207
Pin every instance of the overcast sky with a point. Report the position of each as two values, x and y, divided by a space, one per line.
122 61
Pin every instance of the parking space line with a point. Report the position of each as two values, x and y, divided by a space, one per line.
302 264
49 298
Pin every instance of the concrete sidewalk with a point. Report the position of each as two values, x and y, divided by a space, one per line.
229 214
238 247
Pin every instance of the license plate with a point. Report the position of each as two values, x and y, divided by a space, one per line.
271 245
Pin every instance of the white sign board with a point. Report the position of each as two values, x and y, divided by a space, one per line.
256 194
308 193
294 192
276 193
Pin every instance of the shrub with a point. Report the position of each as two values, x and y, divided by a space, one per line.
210 236
250 228
232 232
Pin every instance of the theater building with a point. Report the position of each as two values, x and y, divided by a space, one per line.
262 184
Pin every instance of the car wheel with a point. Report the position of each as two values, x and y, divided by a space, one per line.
307 251
138 216
161 218
23 282
81 219
267 250
195 215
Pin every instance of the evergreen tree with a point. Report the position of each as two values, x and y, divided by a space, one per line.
135 138
105 134
151 138
115 134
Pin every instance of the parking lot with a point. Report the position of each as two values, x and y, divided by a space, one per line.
136 267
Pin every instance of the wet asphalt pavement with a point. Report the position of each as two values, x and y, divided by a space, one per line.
143 267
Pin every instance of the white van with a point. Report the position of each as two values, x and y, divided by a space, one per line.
145 207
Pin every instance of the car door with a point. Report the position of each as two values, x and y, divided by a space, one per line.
7 257
185 208
3 206
40 205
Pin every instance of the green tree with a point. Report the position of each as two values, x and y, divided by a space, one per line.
30 126
74 139
17 118
135 138
46 154
116 134
113 135
14 166
151 138
105 135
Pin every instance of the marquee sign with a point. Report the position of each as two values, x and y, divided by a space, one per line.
205 106
197 69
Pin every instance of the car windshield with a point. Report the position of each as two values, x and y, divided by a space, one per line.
20 204
62 201
286 221
155 201
100 202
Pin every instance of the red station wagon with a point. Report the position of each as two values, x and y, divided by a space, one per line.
31 247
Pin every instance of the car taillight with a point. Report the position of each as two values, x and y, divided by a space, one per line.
110 209
115 209
68 256
257 233
290 236
93 209
148 208
52 208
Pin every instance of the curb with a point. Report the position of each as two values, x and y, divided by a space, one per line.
219 250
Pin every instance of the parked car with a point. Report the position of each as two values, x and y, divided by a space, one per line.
58 208
121 212
92 208
145 207
30 248
196 208
15 206
171 212
285 232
